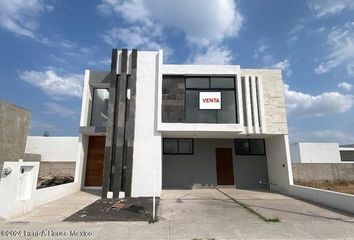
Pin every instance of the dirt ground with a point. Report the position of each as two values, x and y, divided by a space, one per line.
337 186
130 209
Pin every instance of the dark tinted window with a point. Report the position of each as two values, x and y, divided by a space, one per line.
193 113
224 85
185 146
227 113
178 146
242 147
257 146
222 82
170 146
249 147
197 82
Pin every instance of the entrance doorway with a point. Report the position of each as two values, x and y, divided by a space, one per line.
94 163
224 166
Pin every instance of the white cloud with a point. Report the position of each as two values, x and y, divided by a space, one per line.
205 24
202 22
212 55
54 85
260 50
59 110
326 135
283 65
305 105
324 8
132 37
340 43
345 86
19 16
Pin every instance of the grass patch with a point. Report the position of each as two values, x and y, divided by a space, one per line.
153 220
251 210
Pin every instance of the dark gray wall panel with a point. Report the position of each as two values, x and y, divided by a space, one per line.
173 98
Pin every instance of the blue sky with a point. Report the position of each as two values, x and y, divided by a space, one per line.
46 45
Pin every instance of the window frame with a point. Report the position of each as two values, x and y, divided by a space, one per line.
178 152
250 147
92 103
210 89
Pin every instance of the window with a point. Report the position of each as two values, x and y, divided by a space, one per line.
99 107
249 147
174 146
224 85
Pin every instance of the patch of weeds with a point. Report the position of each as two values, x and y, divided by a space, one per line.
245 206
276 219
153 220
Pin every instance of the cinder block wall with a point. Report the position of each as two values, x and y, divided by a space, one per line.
14 122
323 171
57 168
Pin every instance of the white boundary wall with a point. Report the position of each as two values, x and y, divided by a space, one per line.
341 201
304 152
62 149
49 194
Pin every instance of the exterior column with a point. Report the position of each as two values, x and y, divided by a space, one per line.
120 124
110 129
130 128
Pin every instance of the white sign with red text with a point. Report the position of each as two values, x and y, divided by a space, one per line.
209 100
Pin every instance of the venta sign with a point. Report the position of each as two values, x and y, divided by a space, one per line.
209 100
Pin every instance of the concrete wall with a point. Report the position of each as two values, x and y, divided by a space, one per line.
273 99
147 152
14 122
199 170
347 156
49 194
57 168
279 164
336 200
18 189
323 171
63 149
315 153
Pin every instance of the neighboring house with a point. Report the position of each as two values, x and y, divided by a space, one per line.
146 125
347 153
305 152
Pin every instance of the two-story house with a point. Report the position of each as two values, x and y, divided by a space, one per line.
146 126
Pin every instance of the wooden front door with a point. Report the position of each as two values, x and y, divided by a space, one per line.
224 166
94 163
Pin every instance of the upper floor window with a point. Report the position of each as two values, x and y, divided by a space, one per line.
99 113
217 92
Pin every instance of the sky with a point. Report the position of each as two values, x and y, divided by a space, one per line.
45 46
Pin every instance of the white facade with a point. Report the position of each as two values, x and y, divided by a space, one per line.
260 111
305 152
62 149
